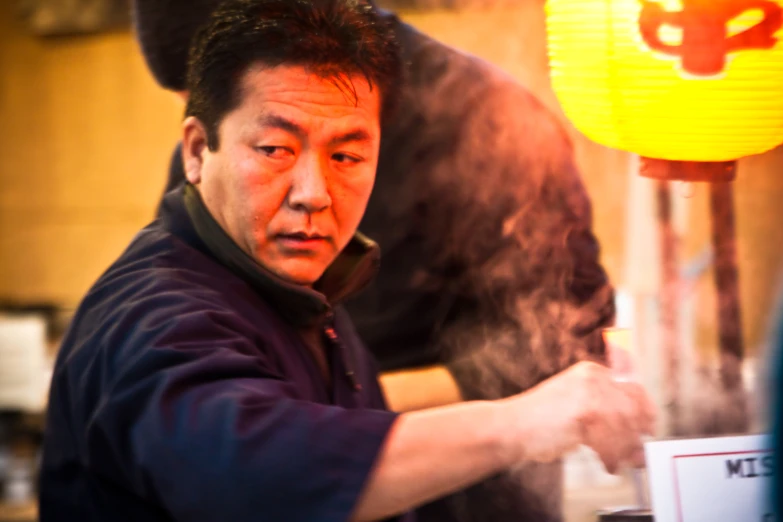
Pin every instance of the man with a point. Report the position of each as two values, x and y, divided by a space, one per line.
209 375
490 267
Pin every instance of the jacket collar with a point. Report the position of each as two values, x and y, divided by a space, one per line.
184 214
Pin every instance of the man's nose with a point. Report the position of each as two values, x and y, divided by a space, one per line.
309 188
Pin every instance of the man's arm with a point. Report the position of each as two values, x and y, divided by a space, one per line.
199 422
432 453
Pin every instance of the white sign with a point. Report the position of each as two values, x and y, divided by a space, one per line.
24 375
721 479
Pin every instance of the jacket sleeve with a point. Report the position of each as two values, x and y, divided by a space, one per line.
198 420
531 297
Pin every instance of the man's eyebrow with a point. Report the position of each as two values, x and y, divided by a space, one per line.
354 135
278 122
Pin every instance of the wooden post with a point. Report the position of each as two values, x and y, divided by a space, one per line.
733 418
669 308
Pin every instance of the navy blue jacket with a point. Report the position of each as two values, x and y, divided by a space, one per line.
490 265
184 391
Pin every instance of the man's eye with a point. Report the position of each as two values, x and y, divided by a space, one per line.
274 151
346 158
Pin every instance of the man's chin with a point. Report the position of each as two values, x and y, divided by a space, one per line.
302 274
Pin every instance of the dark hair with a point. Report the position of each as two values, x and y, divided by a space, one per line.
165 29
331 38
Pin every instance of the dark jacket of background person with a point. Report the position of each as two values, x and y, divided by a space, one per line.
489 262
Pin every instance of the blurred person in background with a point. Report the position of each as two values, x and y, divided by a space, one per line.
490 281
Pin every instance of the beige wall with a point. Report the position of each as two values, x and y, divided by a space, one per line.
87 136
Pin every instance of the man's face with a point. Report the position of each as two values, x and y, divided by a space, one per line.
294 168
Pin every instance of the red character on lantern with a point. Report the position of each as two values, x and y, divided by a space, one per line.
706 42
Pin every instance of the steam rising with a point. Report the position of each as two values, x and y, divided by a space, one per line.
485 226
506 238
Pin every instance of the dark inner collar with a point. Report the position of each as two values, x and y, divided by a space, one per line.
353 269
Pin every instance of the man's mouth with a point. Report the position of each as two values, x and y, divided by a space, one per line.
304 236
302 240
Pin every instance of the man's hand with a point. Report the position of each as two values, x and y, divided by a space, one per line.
582 405
437 451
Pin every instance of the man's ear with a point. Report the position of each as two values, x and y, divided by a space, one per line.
194 148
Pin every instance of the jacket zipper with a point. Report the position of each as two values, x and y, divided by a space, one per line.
337 344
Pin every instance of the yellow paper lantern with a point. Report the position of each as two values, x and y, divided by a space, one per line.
688 80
